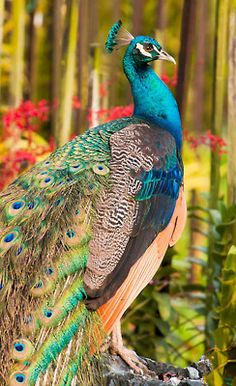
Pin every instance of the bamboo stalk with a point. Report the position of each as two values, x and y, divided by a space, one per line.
2 3
232 113
219 86
56 63
31 54
69 81
1 23
160 33
200 66
138 13
185 54
95 100
83 64
18 46
94 60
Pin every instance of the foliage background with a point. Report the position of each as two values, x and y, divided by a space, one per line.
56 81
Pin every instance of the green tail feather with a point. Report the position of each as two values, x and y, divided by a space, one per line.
46 219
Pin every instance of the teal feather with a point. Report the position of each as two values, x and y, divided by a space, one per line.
39 227
117 37
111 39
70 299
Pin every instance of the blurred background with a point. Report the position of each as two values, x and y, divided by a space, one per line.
56 81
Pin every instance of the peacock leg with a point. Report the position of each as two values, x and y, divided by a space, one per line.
129 356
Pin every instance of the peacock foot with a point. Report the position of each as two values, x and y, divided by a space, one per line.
129 356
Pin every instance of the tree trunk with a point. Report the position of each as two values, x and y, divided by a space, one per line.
138 7
201 44
219 83
18 48
31 55
69 71
186 53
219 86
2 4
161 9
83 65
94 79
56 64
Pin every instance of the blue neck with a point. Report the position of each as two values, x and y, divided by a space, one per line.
152 98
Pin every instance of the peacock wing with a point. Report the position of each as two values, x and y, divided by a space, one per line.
146 176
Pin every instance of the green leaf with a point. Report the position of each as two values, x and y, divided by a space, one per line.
215 216
164 305
231 259
223 337
162 325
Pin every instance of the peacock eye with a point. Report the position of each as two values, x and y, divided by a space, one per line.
148 47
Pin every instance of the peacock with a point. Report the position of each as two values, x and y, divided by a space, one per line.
84 231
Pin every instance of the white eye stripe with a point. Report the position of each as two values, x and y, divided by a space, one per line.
143 51
156 49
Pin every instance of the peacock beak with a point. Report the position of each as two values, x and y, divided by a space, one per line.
164 56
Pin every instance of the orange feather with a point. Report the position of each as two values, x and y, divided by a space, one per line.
145 268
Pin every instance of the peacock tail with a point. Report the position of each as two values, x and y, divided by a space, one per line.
45 227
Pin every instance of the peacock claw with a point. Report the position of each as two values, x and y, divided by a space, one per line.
129 356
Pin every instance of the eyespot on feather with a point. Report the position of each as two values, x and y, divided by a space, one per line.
50 316
52 275
33 204
77 168
15 208
74 236
47 181
30 324
59 202
43 174
22 350
39 288
100 169
19 252
19 378
80 215
9 239
90 189
60 165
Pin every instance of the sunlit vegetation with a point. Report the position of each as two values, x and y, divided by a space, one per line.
56 81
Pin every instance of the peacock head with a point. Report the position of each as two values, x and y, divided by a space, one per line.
141 49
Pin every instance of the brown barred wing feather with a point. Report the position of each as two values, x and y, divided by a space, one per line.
138 204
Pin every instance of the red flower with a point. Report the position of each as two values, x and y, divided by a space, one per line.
27 116
215 142
165 78
102 90
75 102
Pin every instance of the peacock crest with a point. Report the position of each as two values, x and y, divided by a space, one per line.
118 36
